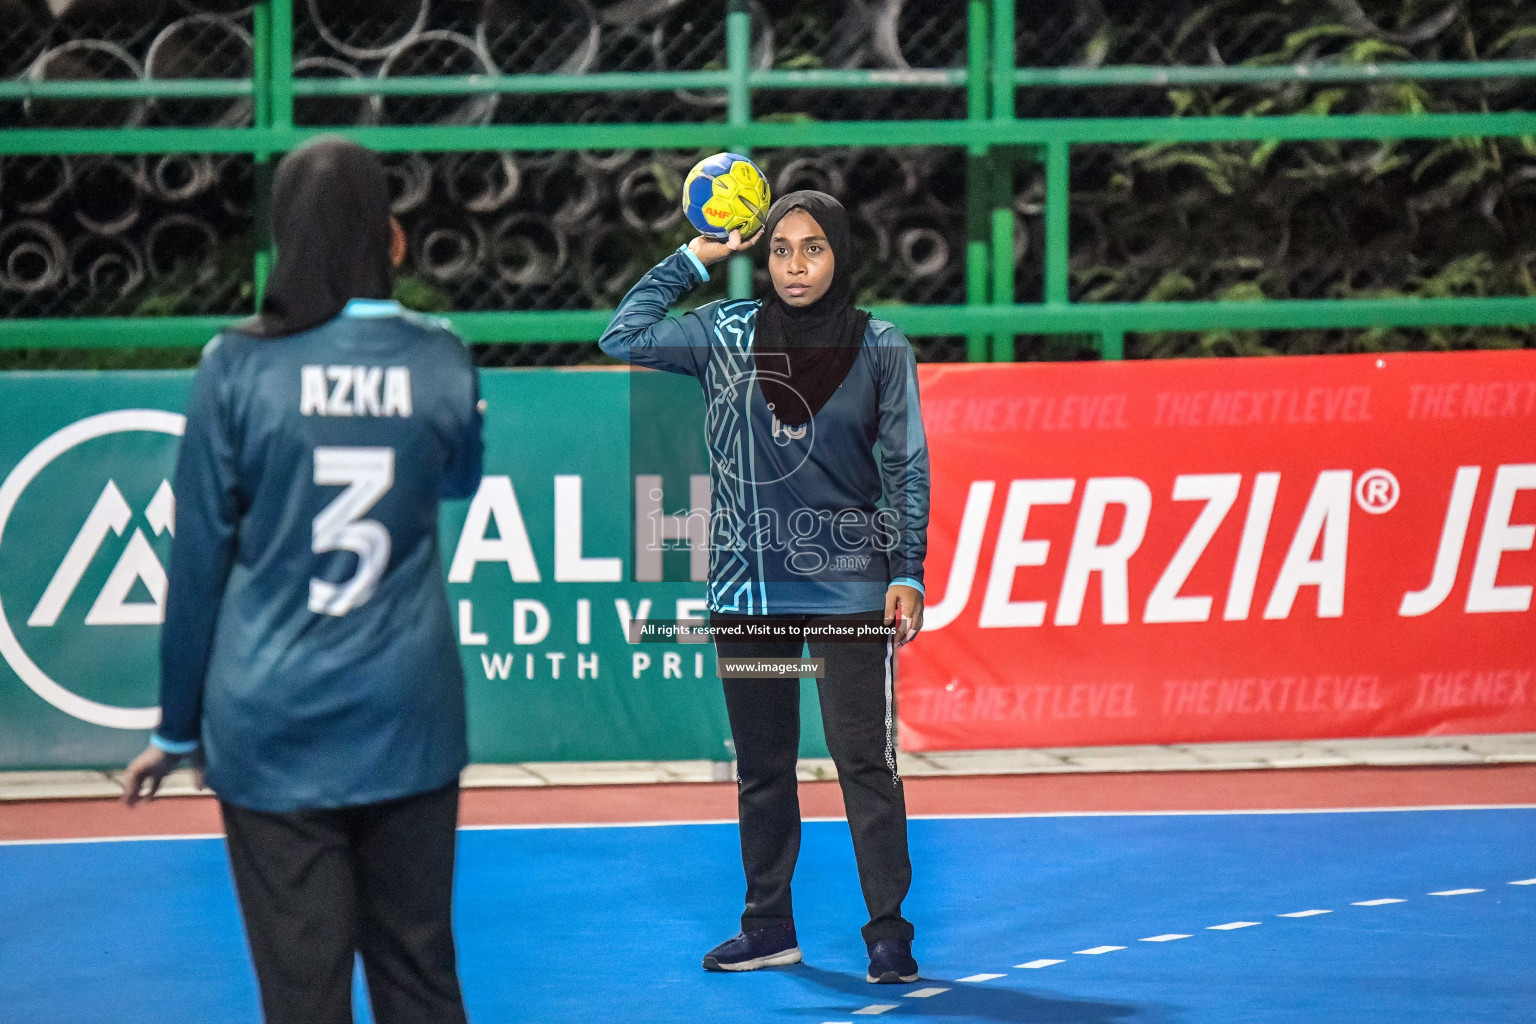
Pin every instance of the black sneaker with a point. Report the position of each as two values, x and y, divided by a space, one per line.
754 948
890 962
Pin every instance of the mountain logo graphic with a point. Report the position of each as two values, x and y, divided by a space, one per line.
138 564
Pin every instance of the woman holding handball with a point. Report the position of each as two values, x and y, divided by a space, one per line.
813 541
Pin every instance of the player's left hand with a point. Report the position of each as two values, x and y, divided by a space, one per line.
904 608
142 779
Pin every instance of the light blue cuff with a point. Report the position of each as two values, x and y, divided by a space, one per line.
172 747
908 581
698 264
372 309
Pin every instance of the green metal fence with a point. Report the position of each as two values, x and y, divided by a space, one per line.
995 140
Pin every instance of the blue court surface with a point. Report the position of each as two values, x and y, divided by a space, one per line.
1117 913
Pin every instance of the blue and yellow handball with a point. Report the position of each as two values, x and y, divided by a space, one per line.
725 192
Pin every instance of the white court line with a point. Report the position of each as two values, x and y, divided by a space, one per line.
1168 937
913 817
1021 814
523 827
108 839
1207 813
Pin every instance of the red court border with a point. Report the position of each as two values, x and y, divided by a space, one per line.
1128 792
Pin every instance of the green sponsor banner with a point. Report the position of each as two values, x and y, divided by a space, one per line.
541 562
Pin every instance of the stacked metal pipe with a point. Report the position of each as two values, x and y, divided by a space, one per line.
173 233
125 235
485 230
551 231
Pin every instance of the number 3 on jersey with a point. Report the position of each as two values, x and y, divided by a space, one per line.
367 473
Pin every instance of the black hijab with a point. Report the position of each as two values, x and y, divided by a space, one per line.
330 223
819 342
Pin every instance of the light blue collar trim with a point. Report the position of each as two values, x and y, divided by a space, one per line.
373 308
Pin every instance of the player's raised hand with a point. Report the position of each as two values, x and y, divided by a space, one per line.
713 250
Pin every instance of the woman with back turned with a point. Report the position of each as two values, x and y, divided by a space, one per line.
307 657
811 538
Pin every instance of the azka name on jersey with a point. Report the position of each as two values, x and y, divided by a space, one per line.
355 391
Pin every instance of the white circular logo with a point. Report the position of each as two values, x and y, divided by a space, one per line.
1377 491
51 447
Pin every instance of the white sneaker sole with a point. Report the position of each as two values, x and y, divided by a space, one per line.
788 956
905 979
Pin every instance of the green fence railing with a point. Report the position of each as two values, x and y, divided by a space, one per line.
991 134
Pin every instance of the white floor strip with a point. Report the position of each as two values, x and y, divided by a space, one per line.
109 839
1202 814
915 817
926 993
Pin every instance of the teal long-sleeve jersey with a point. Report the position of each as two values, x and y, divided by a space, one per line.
818 518
307 645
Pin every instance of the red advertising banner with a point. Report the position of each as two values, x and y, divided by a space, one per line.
1227 549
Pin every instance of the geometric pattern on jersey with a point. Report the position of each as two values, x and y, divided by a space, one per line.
731 372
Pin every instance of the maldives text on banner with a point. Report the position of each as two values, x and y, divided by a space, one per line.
1235 549
538 564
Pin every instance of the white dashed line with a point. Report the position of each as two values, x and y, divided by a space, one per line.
928 993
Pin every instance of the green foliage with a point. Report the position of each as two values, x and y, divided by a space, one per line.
414 292
178 292
98 358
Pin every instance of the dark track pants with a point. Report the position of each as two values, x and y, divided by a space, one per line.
317 886
858 713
